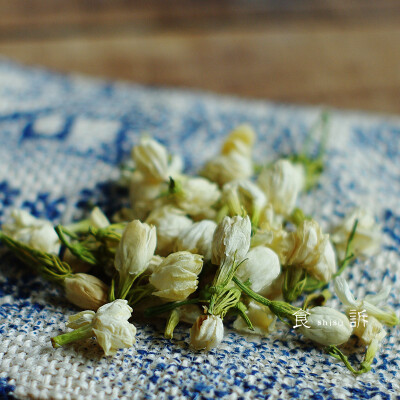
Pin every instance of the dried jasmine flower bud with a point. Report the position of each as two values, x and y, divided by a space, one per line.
196 195
260 267
207 332
310 249
109 324
176 277
326 326
39 234
367 238
240 140
231 240
152 160
282 184
197 238
86 291
228 167
170 223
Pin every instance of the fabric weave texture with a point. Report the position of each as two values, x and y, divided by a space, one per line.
62 139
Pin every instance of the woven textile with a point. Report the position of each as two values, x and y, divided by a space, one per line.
61 141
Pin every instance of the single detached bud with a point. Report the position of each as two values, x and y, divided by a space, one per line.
207 332
281 184
38 234
261 267
136 248
176 277
310 249
326 326
109 324
228 167
261 317
111 327
170 222
231 240
240 140
368 236
86 291
196 195
197 238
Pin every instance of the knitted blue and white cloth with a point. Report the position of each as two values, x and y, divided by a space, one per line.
61 141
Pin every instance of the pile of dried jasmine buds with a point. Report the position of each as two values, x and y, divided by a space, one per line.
227 244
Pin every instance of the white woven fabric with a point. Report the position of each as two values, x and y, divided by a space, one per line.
61 139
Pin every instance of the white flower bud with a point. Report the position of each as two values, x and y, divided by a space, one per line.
327 326
97 219
37 233
310 249
229 167
136 248
261 317
197 238
243 193
282 183
176 277
231 240
145 195
170 223
207 332
151 158
260 267
111 327
86 291
196 195
240 140
367 239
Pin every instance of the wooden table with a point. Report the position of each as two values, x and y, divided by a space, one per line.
343 53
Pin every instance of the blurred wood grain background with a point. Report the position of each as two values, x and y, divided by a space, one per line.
343 53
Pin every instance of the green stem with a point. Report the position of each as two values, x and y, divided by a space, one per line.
151 311
84 332
335 352
241 308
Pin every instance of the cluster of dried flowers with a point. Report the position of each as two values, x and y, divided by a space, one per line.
200 249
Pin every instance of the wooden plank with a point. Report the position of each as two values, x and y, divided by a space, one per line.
346 67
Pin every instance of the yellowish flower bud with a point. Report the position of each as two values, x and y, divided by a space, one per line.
369 331
170 223
207 332
261 317
135 249
97 219
86 291
240 140
197 238
176 277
